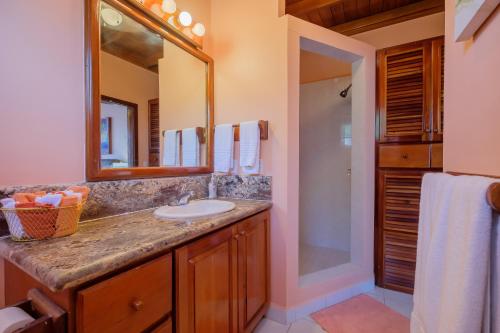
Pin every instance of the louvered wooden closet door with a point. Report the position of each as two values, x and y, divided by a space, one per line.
438 89
154 132
404 96
399 200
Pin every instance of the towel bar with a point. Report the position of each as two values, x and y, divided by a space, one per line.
200 132
493 196
263 126
493 193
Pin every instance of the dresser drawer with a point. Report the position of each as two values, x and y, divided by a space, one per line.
437 155
404 156
130 302
165 327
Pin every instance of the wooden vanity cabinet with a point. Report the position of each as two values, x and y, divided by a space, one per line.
220 283
222 280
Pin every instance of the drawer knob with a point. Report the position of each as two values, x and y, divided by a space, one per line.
405 156
137 305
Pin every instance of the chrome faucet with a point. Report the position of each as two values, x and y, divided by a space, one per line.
181 199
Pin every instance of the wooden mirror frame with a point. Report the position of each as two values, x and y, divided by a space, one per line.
94 172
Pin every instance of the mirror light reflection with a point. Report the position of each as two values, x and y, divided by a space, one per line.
153 98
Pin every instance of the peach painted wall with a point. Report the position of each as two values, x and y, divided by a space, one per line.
362 196
250 83
42 93
42 119
183 92
405 32
126 81
472 99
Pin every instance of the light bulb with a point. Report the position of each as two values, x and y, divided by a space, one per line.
199 30
169 6
185 19
156 8
171 20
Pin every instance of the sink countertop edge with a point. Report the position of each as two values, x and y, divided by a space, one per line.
114 249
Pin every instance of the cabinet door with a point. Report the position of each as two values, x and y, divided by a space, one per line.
397 227
405 92
253 270
438 89
206 284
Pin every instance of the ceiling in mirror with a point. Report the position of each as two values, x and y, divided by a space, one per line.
154 103
125 38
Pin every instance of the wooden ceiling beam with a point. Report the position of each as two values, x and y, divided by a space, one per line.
397 15
304 6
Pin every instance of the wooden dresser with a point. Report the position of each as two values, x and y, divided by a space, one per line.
410 81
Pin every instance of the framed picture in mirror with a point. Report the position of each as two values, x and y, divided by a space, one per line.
149 96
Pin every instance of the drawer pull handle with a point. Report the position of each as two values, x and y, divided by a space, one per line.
236 236
405 156
137 305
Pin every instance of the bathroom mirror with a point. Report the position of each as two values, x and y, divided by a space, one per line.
149 96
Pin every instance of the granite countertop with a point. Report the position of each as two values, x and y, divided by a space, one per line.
104 245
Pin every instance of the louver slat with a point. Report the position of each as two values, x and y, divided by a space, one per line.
405 93
404 99
399 205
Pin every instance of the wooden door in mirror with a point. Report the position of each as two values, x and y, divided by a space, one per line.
134 58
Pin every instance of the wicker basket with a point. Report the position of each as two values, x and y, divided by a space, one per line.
27 224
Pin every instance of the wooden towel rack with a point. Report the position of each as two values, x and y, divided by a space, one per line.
263 126
200 132
493 193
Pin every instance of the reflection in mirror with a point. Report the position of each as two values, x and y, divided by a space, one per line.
154 106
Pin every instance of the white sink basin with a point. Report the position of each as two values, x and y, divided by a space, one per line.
195 209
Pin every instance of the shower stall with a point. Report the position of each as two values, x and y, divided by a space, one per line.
325 123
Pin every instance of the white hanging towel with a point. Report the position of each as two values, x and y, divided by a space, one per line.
452 293
171 150
223 148
250 147
190 148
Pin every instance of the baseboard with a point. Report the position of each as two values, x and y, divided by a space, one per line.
289 315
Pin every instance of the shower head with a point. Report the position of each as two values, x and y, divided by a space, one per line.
344 92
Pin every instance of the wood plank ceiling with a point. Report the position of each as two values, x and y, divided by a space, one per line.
350 17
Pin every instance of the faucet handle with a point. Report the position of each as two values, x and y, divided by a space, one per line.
185 197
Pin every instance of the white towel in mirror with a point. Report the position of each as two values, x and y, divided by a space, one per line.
190 148
223 148
250 147
171 150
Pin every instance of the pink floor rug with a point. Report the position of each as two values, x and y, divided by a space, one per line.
361 314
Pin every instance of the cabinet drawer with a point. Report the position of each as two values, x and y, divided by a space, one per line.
165 327
404 156
437 155
130 302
